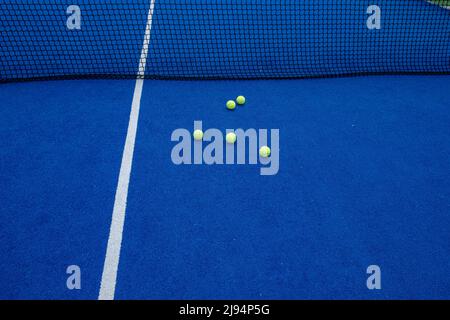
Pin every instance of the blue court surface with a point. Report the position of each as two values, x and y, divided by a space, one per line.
93 176
363 179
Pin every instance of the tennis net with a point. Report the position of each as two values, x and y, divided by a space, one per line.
222 39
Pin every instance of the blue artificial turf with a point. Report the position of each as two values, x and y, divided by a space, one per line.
364 179
61 145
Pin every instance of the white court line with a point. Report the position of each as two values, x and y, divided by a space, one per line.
109 276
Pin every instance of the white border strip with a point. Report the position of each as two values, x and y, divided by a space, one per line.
111 265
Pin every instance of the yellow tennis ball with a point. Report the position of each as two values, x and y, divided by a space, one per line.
231 105
198 135
240 100
231 138
264 152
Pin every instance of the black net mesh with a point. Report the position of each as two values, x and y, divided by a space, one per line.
221 39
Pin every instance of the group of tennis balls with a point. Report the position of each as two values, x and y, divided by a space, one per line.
264 151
